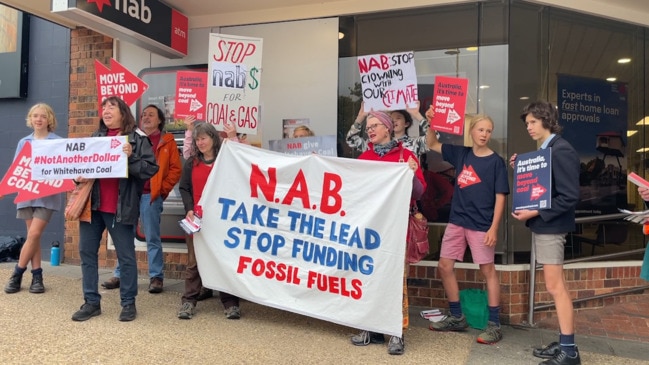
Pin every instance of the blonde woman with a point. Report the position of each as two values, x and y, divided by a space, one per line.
477 207
36 213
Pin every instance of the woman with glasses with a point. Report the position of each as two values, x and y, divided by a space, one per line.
401 121
382 147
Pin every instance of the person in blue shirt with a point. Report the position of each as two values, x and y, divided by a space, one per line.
550 226
477 207
36 213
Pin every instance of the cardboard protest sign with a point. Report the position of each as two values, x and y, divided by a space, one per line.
191 93
69 158
533 180
449 102
118 81
321 145
233 81
307 234
19 179
389 81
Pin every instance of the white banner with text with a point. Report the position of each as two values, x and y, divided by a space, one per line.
315 235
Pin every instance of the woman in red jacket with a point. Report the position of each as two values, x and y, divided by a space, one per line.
205 147
382 147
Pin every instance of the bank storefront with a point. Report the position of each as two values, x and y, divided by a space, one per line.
512 52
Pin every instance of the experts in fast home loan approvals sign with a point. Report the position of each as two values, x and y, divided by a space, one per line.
233 82
69 158
307 234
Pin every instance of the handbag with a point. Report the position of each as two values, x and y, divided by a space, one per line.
417 243
78 201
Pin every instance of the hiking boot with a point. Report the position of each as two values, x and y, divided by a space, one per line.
204 294
186 311
366 337
37 286
562 358
547 352
396 346
128 313
86 312
155 285
13 286
112 283
233 312
450 323
491 335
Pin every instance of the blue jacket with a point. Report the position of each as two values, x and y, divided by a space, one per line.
560 218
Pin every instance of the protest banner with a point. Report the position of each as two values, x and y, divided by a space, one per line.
69 158
118 81
19 179
191 93
307 234
389 81
233 81
449 102
321 145
533 180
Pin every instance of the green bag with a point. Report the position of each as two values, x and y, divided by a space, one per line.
475 307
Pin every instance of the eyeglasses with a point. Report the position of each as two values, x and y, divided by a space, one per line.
372 127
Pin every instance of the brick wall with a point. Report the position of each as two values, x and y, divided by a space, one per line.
85 46
425 287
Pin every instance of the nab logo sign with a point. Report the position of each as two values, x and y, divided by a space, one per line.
132 8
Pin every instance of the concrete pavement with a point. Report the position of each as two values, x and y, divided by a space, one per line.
36 329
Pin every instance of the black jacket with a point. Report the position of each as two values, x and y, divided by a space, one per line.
141 167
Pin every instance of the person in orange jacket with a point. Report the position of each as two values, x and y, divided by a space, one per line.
155 192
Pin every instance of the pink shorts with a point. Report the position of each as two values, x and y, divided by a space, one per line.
455 242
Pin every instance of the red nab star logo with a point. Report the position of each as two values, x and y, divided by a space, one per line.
537 191
100 4
468 177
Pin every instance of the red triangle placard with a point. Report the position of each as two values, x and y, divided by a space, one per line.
118 81
19 179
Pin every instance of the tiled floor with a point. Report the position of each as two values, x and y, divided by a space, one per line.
624 318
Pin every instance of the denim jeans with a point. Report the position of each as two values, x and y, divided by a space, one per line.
150 217
123 236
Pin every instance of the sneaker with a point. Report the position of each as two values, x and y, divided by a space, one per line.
128 313
155 286
366 337
233 312
37 286
112 283
562 358
204 294
547 352
491 335
13 286
186 311
396 346
450 323
86 312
